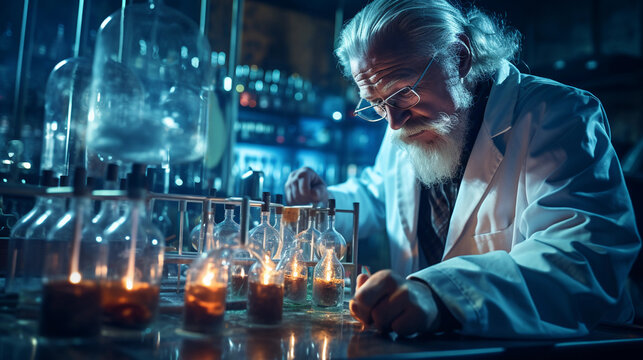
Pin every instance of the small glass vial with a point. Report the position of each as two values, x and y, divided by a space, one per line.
264 236
295 276
309 237
74 266
130 294
328 282
205 292
331 238
265 293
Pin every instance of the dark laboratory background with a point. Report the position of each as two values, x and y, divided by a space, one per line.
289 106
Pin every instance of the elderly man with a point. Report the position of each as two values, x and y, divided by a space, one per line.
502 197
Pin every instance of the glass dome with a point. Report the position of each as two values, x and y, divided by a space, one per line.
150 78
66 109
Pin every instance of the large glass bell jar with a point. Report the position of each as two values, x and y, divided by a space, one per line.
66 107
150 79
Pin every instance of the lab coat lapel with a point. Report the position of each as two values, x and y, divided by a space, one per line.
486 155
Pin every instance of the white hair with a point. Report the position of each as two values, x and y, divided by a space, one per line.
426 28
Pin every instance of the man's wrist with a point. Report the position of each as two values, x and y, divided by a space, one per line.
444 321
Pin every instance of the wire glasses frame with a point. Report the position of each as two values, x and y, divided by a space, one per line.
405 98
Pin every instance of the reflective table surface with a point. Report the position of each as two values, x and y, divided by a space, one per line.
304 333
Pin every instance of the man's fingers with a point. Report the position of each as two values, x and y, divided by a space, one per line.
389 308
360 313
361 279
303 186
380 284
408 322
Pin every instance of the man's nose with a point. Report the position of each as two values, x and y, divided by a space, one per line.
397 117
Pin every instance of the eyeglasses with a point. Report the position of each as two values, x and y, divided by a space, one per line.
405 98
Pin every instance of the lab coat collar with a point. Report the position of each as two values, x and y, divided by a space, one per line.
487 153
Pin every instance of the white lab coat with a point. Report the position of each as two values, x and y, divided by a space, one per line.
542 236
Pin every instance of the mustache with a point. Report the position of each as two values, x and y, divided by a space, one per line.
443 125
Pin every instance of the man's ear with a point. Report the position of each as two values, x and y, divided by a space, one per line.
463 50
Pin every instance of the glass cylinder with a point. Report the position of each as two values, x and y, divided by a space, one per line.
150 82
328 282
331 238
205 292
265 293
74 266
295 276
134 264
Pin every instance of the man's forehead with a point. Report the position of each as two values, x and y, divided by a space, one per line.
381 72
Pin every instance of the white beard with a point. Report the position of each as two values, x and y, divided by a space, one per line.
438 161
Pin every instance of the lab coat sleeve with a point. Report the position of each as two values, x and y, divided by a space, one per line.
580 238
369 190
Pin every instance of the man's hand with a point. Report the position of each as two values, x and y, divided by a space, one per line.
392 303
305 186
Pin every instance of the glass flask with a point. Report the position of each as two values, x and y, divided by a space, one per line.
18 275
264 236
328 282
286 236
150 82
331 238
108 212
134 264
202 235
309 237
226 233
30 291
265 293
295 275
239 271
74 267
66 108
205 292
